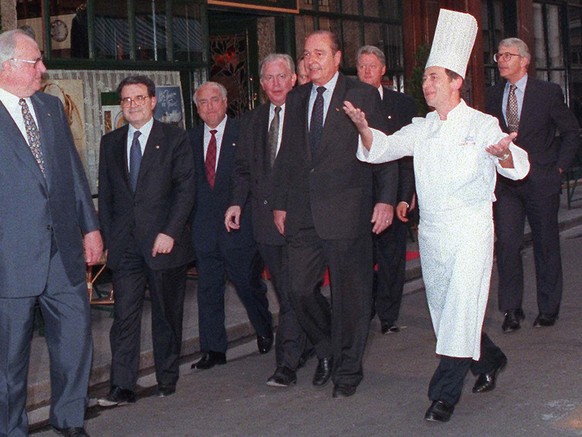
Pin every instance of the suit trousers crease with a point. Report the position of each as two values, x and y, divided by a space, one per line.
390 251
344 335
512 207
167 290
290 339
447 381
239 265
67 324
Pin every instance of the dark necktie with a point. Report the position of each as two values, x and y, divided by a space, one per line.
134 160
210 162
512 110
316 124
33 134
274 135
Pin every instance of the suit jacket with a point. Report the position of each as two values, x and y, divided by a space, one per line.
333 188
398 109
208 231
253 176
162 201
36 209
542 115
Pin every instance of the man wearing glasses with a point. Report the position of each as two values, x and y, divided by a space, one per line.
145 198
536 111
47 218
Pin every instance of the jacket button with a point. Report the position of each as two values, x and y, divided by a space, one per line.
265 202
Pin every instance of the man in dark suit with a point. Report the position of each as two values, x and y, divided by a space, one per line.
323 200
47 209
217 250
146 176
390 245
538 113
252 177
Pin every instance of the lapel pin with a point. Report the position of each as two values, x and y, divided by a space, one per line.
157 146
337 109
389 117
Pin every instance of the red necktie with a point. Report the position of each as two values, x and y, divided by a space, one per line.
210 162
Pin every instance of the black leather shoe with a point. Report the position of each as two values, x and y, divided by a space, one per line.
545 320
264 343
305 357
439 411
72 432
165 390
343 390
389 328
117 396
208 360
283 377
486 381
322 372
512 319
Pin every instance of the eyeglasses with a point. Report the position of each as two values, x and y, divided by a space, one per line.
504 56
34 62
138 100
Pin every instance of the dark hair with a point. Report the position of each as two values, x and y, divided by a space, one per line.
138 80
333 38
452 75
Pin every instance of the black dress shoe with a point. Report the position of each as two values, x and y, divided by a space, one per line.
117 396
512 319
264 343
283 377
72 432
322 372
389 328
486 381
208 360
305 357
165 390
545 320
343 390
439 411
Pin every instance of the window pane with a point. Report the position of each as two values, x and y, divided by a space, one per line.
351 42
390 9
373 35
150 30
350 7
111 31
188 44
393 48
303 26
574 25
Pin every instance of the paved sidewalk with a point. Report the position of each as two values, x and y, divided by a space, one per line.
234 399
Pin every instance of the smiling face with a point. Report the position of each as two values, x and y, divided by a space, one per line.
277 80
321 61
440 91
139 111
211 105
515 67
18 76
370 69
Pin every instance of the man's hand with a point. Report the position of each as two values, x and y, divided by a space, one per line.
279 219
232 218
501 150
93 247
402 211
382 217
163 244
358 117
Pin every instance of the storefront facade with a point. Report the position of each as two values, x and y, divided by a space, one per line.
89 46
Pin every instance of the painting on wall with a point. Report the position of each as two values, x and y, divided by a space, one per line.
169 108
70 92
112 117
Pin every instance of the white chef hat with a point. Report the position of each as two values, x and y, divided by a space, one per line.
453 41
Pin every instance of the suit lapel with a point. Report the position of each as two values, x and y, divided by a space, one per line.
262 140
152 150
18 143
226 154
119 152
334 115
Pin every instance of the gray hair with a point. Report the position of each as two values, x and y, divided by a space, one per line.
277 57
217 85
372 50
516 42
8 42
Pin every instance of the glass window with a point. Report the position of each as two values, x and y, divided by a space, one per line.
188 37
111 31
351 38
350 7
